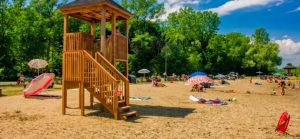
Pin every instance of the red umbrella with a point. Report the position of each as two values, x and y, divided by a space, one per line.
199 80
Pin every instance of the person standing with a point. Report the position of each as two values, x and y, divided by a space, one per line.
281 87
165 76
299 84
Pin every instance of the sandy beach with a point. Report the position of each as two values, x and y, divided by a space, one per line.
168 114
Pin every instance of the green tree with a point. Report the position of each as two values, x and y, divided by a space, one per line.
192 30
261 36
144 9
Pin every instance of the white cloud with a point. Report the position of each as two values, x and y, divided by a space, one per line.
174 5
296 10
289 50
234 5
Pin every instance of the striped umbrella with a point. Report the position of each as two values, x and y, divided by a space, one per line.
37 64
199 80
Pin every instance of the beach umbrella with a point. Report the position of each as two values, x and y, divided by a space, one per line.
220 76
232 72
259 72
199 80
144 71
198 74
37 64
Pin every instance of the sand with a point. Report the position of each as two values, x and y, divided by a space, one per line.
168 114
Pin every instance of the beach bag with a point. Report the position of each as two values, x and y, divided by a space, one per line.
283 122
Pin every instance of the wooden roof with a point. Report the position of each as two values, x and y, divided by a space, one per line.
90 10
289 66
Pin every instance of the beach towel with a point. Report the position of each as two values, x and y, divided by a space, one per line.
258 83
216 101
139 98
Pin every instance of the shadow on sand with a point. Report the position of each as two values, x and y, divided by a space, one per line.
42 97
144 111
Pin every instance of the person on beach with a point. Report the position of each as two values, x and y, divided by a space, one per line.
250 81
281 86
299 84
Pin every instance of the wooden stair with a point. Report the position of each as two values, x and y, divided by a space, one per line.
125 111
103 89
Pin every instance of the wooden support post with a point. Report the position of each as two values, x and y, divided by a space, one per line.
127 32
64 90
126 64
103 31
115 102
92 99
81 92
114 33
64 99
93 29
66 30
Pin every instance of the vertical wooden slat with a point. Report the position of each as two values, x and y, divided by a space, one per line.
103 31
64 96
113 42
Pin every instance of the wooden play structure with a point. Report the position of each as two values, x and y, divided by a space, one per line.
90 63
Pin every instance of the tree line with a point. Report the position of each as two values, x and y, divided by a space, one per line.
186 41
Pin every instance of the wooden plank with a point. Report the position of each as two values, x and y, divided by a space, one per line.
81 17
103 32
75 9
113 42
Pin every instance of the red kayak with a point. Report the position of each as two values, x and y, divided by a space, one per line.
38 84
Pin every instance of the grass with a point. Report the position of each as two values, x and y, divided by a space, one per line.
11 89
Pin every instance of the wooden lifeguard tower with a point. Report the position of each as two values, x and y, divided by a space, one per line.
89 63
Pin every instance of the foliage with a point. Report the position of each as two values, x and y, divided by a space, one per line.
187 41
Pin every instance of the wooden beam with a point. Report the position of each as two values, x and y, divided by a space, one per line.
122 12
81 17
93 29
103 32
113 23
81 8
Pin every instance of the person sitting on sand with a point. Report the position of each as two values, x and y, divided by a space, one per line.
222 81
21 80
198 88
154 82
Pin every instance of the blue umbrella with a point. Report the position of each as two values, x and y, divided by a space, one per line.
198 74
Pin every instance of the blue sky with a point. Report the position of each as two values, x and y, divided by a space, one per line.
281 18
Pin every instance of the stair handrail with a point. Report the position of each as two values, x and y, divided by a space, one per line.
116 73
113 68
115 83
98 64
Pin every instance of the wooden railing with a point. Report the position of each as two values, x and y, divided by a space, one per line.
103 83
82 67
109 49
121 47
80 41
123 81
72 68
